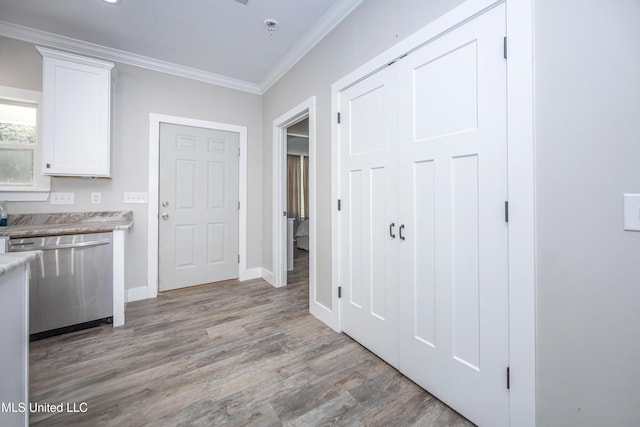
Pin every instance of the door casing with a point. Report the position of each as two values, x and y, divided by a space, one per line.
521 184
152 226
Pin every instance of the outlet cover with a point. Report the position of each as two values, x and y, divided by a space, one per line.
62 198
136 197
96 198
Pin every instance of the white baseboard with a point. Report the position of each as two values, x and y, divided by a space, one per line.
137 294
326 316
268 276
250 274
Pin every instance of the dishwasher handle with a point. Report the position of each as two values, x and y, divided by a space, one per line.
30 246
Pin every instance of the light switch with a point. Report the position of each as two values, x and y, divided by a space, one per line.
96 198
632 212
62 198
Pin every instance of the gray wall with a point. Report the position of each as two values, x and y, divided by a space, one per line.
587 89
136 93
587 155
372 28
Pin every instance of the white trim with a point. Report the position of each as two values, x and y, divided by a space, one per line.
294 115
251 273
268 276
521 183
81 47
119 302
324 26
39 191
136 294
522 254
154 185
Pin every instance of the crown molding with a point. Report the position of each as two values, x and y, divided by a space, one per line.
328 22
324 26
80 47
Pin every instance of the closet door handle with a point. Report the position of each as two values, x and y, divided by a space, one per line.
400 232
393 224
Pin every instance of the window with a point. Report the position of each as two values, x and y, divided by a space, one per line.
20 170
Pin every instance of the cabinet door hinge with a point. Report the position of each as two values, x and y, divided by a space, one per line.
506 211
339 291
339 118
504 47
508 377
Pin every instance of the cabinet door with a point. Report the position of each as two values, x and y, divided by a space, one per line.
453 263
368 274
76 117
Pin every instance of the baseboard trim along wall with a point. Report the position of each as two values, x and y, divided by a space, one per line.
137 294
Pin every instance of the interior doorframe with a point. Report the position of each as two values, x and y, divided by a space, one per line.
279 226
521 184
154 187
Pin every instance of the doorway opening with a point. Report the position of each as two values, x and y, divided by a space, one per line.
294 212
153 219
297 190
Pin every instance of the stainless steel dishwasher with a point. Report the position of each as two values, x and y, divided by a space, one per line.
71 286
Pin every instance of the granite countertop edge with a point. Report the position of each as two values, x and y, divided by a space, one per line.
13 260
59 224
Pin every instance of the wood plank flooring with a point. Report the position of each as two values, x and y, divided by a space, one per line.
227 354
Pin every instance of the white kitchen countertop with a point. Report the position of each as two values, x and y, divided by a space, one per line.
13 260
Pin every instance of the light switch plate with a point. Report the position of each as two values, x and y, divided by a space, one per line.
632 212
136 197
62 198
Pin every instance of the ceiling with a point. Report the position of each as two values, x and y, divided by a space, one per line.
221 41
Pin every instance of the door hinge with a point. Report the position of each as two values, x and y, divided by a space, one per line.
238 258
238 151
506 211
339 291
339 204
508 377
339 118
238 204
504 47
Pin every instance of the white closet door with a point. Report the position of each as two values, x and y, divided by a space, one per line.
453 263
368 274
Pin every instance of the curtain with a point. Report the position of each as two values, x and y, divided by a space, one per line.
293 186
305 174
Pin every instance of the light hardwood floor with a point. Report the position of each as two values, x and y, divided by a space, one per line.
227 354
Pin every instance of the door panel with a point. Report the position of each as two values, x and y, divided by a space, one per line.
369 281
198 227
423 146
452 98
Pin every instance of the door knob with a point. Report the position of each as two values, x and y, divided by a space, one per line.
165 216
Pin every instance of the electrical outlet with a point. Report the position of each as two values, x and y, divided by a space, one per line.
136 197
62 198
96 198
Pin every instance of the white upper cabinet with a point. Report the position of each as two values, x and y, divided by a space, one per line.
76 115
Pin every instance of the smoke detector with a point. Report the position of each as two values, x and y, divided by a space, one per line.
271 25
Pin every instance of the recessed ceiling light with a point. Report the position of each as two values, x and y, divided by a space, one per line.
112 1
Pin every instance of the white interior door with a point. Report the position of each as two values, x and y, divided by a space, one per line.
453 264
369 308
198 196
